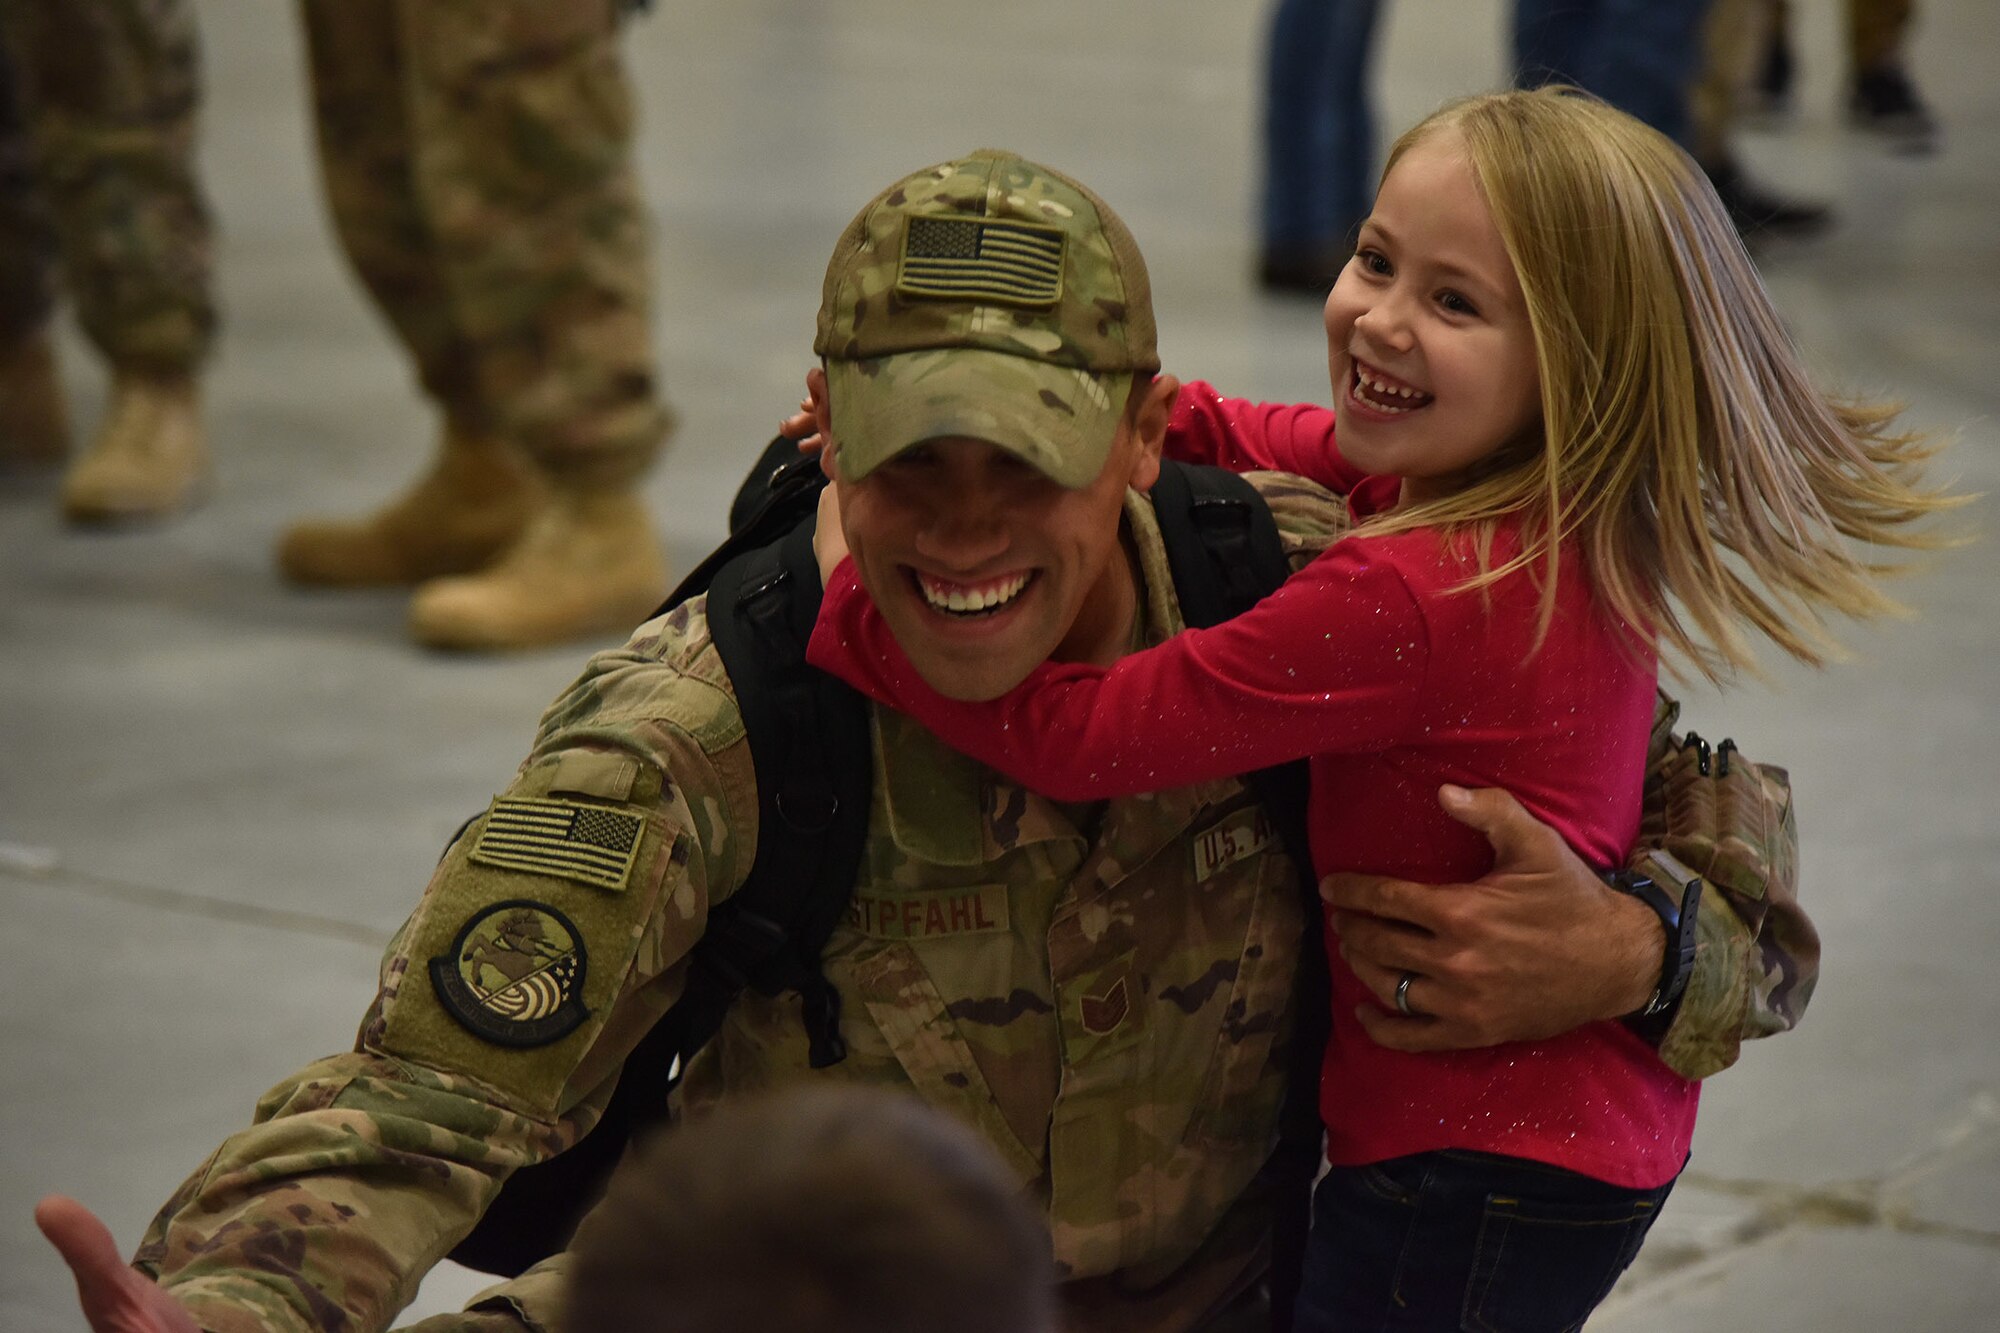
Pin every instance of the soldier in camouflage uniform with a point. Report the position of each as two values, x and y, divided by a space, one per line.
1102 991
477 158
97 119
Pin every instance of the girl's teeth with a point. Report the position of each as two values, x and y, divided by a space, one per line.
1385 390
1383 386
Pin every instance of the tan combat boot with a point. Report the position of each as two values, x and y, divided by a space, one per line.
151 457
589 564
473 504
34 424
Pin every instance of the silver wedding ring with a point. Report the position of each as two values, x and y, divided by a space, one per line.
1403 995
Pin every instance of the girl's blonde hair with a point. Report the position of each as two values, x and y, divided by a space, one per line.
1682 448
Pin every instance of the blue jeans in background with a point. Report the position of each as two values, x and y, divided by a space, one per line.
1464 1240
1319 134
1639 55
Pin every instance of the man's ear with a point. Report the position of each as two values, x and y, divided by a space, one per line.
822 414
1149 420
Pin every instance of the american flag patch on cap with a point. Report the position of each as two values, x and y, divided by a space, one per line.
981 259
586 843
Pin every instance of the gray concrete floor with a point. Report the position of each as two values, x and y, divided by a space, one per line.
218 796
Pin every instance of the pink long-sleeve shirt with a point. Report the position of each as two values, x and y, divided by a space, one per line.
1390 683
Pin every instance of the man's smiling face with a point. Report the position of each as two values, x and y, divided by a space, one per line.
984 567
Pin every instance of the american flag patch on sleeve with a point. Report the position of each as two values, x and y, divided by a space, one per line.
566 839
981 259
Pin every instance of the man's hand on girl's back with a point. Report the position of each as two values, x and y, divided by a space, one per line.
1537 946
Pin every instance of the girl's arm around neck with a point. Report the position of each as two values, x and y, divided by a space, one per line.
1334 661
1243 436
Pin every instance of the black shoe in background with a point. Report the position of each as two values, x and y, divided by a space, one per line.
1757 211
1883 101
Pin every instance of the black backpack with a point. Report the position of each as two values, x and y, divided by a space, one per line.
809 740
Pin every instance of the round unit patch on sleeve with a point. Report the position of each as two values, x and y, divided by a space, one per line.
514 975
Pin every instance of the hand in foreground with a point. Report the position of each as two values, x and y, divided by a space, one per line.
115 1297
1536 947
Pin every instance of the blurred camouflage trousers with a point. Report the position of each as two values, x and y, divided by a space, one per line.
1875 30
97 117
1738 34
1734 37
477 156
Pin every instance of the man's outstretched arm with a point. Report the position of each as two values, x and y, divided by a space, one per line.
363 1170
1540 944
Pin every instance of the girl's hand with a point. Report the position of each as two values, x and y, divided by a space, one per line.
829 543
801 427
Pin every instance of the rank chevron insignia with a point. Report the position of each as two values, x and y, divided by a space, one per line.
1103 1013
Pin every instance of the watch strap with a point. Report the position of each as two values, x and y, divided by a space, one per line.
1677 912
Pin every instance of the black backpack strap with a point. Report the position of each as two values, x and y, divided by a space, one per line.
781 490
810 747
1225 553
1221 540
1224 549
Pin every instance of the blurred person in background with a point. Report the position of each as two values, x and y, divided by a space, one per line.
1638 55
1733 40
1319 141
1881 95
478 164
1646 59
98 197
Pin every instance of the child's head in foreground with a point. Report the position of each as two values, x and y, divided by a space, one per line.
1550 318
834 1209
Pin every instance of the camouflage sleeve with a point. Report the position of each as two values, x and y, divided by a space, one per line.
1310 517
530 1303
550 938
1720 816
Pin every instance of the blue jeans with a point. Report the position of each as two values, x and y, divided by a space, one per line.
1639 55
1463 1240
1319 135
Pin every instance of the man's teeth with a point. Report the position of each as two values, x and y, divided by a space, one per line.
959 599
1376 391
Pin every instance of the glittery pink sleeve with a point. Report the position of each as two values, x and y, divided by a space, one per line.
1333 661
1243 436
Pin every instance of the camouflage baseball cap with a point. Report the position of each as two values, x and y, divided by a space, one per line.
988 297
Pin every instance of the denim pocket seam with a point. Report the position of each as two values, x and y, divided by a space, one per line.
1385 1186
1502 1217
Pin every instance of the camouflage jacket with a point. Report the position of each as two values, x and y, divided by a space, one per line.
1101 990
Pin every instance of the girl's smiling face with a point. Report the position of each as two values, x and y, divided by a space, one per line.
1428 341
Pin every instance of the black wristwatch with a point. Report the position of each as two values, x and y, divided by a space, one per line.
1677 920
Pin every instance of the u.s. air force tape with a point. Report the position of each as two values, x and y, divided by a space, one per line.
514 974
567 839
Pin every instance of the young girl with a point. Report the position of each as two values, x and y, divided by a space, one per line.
1572 432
